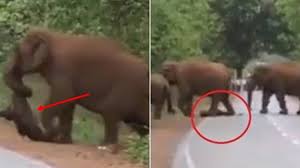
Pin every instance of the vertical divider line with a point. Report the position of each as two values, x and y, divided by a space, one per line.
149 62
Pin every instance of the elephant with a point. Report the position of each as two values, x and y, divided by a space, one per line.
20 113
77 64
278 78
196 77
160 92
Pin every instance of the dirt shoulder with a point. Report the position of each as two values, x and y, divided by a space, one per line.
62 156
165 136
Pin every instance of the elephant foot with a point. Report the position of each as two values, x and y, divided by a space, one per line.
229 113
157 117
185 113
298 112
263 111
63 139
171 111
205 113
283 112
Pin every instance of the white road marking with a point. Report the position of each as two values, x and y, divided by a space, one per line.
295 142
188 158
282 132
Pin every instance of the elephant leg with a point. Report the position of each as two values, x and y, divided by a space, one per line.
47 119
65 121
158 111
265 101
111 130
169 102
213 110
189 104
298 112
181 104
60 90
185 104
228 105
282 103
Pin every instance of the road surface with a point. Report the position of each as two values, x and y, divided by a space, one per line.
273 140
14 160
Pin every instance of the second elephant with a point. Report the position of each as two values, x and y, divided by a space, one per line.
196 77
280 79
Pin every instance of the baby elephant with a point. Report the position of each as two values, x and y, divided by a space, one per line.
160 92
21 114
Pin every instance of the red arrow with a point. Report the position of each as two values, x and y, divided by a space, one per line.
41 108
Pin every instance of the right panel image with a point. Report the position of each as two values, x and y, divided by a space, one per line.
225 84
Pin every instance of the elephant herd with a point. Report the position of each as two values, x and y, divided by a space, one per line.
193 77
116 80
118 84
196 77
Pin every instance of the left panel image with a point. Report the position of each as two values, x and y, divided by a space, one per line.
74 87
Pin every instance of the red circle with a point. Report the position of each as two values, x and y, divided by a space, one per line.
215 141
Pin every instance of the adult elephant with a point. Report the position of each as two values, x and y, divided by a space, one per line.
196 77
160 93
73 65
280 79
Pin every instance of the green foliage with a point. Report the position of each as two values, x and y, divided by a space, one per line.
290 10
251 26
228 31
87 127
138 148
126 21
182 30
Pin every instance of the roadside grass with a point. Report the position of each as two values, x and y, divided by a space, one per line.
87 126
138 148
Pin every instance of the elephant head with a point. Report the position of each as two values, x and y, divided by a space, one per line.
169 71
255 80
29 56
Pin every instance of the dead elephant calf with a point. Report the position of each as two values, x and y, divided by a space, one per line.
21 114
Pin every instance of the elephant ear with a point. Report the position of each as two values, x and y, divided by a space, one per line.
34 52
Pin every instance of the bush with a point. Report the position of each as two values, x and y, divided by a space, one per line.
138 148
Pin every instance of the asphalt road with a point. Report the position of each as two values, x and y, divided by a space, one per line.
10 159
273 140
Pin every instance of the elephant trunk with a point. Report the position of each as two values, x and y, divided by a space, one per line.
13 78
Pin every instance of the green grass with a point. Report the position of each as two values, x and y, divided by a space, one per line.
138 148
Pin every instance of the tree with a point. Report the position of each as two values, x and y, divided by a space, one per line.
251 26
181 30
290 11
126 21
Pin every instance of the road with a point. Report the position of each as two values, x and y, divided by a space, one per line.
14 160
273 140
